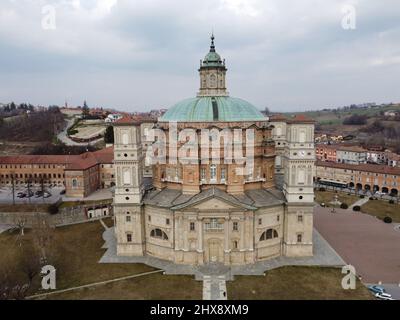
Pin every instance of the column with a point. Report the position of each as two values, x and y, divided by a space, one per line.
200 235
242 225
226 231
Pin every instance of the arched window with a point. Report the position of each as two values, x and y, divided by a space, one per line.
158 233
213 81
213 172
74 183
269 234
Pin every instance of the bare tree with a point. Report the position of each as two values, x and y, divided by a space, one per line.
20 222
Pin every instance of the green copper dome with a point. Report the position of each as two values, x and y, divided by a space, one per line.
211 109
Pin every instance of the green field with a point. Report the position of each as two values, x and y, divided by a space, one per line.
296 283
328 196
330 117
382 209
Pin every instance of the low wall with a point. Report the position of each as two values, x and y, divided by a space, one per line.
66 216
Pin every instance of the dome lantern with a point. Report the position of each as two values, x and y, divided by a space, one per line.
212 74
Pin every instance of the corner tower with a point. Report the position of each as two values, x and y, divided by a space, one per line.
212 74
129 188
299 161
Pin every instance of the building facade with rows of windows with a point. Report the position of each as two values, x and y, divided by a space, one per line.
81 175
224 210
367 177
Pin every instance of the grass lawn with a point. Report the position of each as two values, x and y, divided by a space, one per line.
328 196
295 283
151 287
24 208
79 248
382 209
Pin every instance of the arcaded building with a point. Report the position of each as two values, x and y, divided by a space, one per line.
212 197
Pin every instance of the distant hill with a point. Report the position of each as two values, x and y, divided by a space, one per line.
368 125
336 116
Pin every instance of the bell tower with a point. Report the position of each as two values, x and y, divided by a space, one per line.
212 74
299 162
129 188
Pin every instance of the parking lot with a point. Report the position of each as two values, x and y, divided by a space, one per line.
6 196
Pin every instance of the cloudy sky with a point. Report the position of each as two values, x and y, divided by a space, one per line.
137 55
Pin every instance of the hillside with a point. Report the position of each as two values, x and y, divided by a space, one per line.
370 125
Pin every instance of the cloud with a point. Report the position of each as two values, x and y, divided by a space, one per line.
143 54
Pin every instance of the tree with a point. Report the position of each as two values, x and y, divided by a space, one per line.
20 222
85 109
109 135
355 119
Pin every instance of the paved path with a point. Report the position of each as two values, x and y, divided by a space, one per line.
393 289
359 203
324 255
214 288
367 243
63 137
103 224
4 227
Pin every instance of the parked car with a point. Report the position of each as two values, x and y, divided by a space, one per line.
47 195
39 194
21 195
384 296
62 192
377 289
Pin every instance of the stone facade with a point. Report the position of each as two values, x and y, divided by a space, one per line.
199 213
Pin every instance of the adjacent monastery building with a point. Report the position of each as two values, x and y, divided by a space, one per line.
203 204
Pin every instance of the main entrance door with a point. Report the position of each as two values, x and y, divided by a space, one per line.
215 252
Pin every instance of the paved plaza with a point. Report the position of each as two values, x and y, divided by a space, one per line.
363 241
324 255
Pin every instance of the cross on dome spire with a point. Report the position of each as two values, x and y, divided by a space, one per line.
212 47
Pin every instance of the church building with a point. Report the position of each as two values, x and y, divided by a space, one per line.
222 210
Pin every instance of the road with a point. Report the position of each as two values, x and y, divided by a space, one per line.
63 137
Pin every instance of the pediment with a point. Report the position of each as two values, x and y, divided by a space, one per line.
213 201
215 204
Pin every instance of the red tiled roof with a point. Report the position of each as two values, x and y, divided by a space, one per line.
327 146
126 119
301 118
351 148
277 117
72 162
375 168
